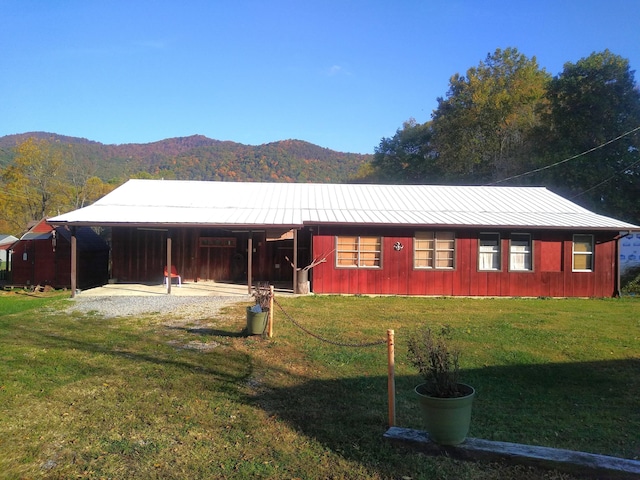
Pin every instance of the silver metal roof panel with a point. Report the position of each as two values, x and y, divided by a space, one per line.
175 202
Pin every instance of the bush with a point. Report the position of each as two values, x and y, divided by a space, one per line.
630 281
436 362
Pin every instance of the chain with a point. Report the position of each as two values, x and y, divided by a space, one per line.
318 337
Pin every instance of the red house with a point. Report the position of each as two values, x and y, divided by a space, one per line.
373 239
42 256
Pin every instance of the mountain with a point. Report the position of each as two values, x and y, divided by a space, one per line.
200 158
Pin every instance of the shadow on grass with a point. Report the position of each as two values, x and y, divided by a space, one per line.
589 407
211 332
223 367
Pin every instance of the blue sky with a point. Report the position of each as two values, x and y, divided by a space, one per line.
340 74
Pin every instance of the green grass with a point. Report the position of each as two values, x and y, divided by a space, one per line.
82 396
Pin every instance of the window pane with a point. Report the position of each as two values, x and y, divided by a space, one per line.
369 259
489 252
489 261
347 260
430 246
347 243
347 251
370 244
583 252
423 259
520 255
520 261
582 246
424 244
369 251
424 236
423 250
444 260
445 240
582 262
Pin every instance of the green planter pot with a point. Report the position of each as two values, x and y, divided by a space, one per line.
446 420
256 322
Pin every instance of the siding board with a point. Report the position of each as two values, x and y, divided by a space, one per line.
551 253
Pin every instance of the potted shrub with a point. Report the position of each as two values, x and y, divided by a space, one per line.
258 314
445 402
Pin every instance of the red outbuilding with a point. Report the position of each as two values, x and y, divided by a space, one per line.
42 256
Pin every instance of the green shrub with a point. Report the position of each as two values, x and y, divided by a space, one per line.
630 281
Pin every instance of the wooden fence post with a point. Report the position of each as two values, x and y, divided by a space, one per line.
391 381
270 321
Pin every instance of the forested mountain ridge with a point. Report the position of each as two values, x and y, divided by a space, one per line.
199 158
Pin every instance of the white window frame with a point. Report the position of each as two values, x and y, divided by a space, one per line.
589 254
520 252
437 252
357 253
491 251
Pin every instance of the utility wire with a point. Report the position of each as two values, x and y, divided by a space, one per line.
606 180
568 159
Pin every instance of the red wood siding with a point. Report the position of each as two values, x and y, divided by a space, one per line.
43 266
551 275
139 255
39 266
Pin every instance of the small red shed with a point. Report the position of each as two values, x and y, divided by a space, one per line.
42 256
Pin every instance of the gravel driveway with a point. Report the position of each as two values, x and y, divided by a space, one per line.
182 307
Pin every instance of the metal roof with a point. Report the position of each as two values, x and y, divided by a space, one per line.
245 204
7 239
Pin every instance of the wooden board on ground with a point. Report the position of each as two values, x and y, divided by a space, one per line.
599 466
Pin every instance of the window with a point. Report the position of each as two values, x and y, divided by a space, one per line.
520 252
358 252
583 253
434 250
489 251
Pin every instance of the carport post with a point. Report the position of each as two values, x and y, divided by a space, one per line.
249 260
168 262
295 260
74 256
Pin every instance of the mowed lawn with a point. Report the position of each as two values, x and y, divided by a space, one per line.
82 396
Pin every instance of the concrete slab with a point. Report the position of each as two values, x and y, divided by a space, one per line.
188 289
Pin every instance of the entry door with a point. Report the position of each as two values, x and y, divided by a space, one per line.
215 257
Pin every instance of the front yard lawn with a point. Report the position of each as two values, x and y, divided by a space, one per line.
83 396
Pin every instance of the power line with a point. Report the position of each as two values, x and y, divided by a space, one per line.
606 180
568 159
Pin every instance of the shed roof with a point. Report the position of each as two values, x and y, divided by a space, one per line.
245 204
6 239
88 240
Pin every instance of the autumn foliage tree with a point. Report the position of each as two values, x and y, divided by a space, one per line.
481 130
33 184
509 122
43 180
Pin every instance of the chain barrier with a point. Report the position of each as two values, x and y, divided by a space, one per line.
322 339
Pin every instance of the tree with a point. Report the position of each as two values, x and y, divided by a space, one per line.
91 190
34 184
592 102
408 156
46 178
482 130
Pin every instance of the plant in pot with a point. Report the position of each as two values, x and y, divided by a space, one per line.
444 401
258 314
